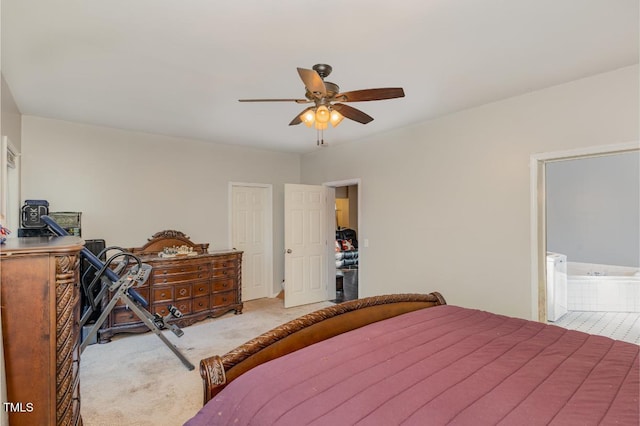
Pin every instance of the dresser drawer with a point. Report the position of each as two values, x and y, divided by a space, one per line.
222 273
182 291
123 315
181 268
224 285
184 306
175 278
162 294
200 304
223 299
224 262
201 289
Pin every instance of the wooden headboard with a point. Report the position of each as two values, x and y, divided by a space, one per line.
168 238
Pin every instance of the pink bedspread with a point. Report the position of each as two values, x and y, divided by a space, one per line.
442 365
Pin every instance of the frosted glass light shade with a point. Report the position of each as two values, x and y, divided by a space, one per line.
336 118
322 114
308 118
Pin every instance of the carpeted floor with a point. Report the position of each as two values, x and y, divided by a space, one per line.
135 380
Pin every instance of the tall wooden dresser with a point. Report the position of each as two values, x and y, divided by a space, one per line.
39 296
201 285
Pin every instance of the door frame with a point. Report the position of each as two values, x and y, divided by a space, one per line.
538 230
268 221
9 188
362 242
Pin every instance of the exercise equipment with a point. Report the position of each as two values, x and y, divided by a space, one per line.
119 275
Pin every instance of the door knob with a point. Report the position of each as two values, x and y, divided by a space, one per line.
289 251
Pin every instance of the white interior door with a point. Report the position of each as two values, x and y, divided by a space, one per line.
306 244
251 233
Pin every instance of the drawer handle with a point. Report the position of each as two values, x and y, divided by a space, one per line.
199 275
183 291
164 272
199 268
200 304
225 284
163 294
201 289
165 280
224 299
224 272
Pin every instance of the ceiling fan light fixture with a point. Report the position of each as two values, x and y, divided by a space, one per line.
328 102
322 114
321 126
308 117
336 118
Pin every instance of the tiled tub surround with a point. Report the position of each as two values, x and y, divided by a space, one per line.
595 287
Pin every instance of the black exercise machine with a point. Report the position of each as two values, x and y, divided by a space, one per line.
119 275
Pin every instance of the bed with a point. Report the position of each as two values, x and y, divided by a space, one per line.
413 359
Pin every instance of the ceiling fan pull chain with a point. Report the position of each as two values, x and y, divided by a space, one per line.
320 137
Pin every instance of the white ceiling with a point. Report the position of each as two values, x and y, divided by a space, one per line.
178 67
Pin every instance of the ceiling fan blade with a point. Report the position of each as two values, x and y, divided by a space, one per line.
313 82
353 113
297 119
371 94
299 101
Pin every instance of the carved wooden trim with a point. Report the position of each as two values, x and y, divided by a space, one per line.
239 278
168 238
169 233
214 370
67 293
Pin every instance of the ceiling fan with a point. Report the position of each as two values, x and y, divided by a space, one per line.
329 106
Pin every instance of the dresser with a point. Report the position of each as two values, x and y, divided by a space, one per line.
200 284
39 292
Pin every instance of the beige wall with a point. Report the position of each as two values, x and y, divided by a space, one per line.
457 189
131 185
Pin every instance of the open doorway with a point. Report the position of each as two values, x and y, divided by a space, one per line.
545 221
347 245
593 225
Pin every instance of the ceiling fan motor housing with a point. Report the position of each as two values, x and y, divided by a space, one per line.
323 70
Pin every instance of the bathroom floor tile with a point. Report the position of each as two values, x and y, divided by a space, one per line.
617 325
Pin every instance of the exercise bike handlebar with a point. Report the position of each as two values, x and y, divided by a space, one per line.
92 259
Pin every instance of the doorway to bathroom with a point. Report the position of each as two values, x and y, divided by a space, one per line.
586 256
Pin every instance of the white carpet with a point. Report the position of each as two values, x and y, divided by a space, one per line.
135 380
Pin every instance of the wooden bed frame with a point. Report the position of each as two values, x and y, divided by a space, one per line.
218 371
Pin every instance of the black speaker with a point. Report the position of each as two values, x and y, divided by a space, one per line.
32 211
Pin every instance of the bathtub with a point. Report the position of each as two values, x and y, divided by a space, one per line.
608 288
